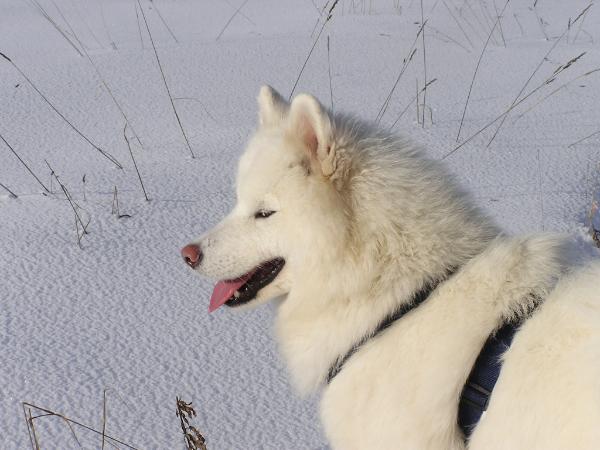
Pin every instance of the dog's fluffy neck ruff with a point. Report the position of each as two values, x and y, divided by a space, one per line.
319 321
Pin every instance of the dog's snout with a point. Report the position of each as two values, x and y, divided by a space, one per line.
192 255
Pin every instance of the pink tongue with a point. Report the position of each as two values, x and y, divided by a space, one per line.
224 290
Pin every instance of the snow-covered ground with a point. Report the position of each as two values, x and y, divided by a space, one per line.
123 313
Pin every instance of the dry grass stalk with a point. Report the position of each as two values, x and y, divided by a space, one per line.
562 86
11 193
237 11
544 59
593 218
193 438
415 98
424 65
33 439
103 418
446 38
327 19
405 62
540 22
502 116
115 206
477 68
137 17
74 206
519 24
187 142
583 16
68 421
208 113
417 105
107 155
584 138
43 12
100 76
329 72
60 13
83 183
134 162
459 24
499 23
483 26
115 203
23 162
162 19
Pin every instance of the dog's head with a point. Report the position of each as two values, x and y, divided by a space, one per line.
287 209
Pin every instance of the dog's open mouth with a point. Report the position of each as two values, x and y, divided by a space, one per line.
243 289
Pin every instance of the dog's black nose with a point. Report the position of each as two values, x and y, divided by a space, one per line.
192 254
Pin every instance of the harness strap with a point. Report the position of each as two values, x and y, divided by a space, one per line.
475 397
477 391
417 299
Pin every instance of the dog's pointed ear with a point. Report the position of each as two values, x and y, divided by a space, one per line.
272 107
310 121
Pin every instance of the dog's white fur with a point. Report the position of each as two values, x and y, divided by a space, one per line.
363 221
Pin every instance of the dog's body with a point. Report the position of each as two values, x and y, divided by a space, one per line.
343 224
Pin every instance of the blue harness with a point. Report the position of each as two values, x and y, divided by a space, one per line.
476 393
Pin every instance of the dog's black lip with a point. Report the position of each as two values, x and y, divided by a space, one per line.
264 275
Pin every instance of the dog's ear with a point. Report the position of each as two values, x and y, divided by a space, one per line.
310 121
272 107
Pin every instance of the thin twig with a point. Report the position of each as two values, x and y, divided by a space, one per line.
107 155
24 163
165 82
329 16
476 69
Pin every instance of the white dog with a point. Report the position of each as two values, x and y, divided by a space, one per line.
398 297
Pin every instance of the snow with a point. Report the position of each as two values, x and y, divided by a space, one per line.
124 313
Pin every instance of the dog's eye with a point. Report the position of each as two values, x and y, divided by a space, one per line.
263 214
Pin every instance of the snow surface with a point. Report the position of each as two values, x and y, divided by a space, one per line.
124 313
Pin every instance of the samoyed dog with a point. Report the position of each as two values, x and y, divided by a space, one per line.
423 326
